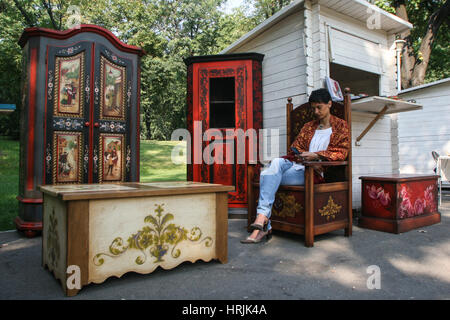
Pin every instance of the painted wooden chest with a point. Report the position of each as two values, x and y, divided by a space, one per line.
79 114
399 202
104 230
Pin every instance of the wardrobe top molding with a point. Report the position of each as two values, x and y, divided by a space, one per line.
62 35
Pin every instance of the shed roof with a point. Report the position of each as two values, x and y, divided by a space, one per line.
7 107
426 85
357 9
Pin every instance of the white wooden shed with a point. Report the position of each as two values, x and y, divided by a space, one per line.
421 132
351 41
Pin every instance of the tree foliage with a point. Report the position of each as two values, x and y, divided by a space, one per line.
431 33
169 31
264 9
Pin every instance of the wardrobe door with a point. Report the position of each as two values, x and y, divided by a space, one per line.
222 93
67 113
112 116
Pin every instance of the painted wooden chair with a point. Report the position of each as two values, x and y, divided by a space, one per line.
311 209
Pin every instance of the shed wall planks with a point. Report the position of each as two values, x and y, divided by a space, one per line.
284 71
426 130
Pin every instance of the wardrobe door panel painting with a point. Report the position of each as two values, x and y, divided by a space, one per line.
112 167
67 151
69 81
77 85
113 90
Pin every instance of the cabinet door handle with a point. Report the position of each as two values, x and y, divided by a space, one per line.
96 124
86 124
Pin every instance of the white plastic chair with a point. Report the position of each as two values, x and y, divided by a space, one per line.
442 169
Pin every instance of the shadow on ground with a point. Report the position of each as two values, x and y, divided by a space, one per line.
414 265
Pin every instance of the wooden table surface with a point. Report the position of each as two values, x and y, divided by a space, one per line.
130 189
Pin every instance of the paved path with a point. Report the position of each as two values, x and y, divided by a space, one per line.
414 265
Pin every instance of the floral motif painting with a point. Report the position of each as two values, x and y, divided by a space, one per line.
113 90
413 204
331 210
157 238
379 195
378 199
67 161
286 206
53 249
69 82
112 155
403 200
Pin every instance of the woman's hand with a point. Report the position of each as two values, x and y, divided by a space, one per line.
309 156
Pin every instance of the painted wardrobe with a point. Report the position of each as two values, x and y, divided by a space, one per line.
224 94
80 113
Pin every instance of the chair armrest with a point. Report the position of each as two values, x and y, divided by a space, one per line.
256 164
324 163
253 171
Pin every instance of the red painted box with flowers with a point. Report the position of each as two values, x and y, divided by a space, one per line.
398 203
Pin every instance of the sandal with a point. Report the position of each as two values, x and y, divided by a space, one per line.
260 227
267 237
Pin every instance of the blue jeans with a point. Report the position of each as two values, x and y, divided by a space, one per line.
279 173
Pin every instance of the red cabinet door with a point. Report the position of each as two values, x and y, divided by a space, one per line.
222 94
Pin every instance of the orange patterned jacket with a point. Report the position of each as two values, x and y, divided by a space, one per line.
339 140
337 148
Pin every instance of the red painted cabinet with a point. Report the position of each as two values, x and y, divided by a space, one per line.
224 101
80 113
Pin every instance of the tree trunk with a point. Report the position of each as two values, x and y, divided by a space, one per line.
48 7
414 67
147 123
436 20
408 54
24 13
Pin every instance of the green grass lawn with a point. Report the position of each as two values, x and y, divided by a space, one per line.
9 182
156 165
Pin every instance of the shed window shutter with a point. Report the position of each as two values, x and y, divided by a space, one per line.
353 51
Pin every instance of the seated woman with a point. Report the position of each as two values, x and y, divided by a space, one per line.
326 138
